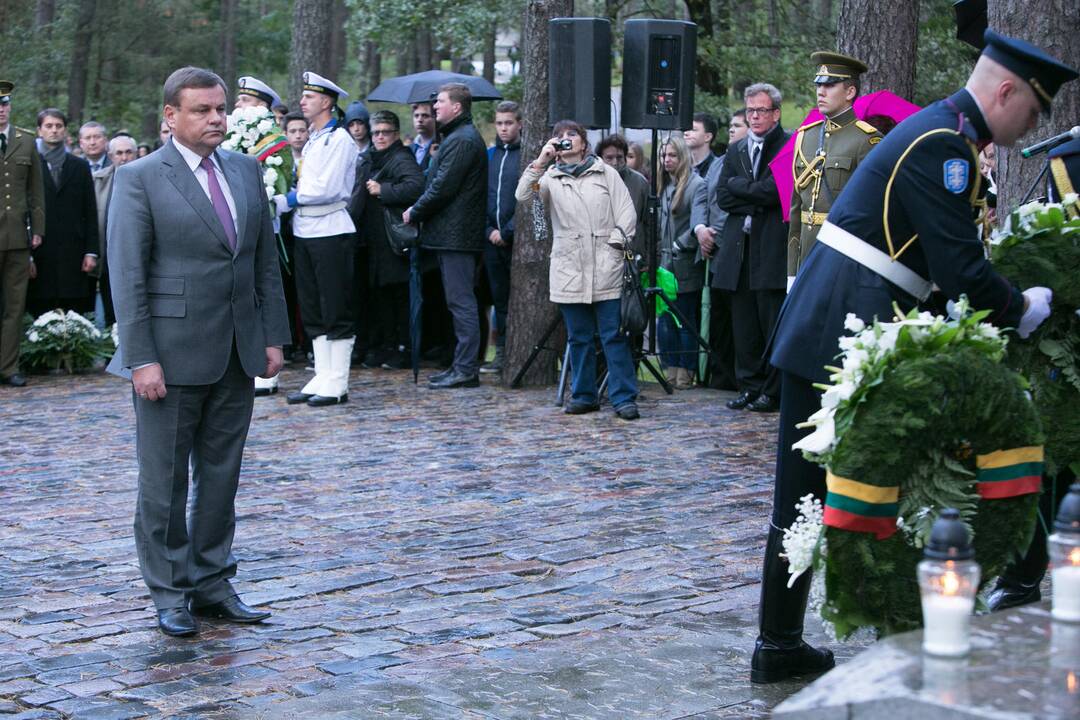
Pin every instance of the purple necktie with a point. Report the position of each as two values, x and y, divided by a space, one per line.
221 206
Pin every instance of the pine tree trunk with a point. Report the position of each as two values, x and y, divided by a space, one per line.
1053 25
707 79
311 30
530 311
80 57
489 52
228 47
888 47
338 40
423 50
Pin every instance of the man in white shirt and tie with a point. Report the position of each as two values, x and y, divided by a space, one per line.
95 145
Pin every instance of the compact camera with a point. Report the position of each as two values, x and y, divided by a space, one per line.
564 144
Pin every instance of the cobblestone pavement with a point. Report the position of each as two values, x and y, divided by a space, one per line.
465 554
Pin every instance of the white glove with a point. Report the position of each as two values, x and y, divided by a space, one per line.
790 282
1038 302
282 204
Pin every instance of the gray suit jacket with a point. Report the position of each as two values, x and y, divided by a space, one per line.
182 297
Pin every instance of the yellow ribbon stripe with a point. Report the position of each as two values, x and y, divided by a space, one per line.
861 491
1004 458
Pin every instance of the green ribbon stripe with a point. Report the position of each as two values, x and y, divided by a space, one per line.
860 507
1009 472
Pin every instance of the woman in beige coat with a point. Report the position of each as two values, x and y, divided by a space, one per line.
592 220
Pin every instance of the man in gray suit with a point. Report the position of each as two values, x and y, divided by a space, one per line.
200 311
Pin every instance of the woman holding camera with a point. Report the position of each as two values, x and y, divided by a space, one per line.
391 179
592 220
679 254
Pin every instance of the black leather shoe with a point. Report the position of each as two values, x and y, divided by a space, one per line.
231 610
296 398
265 391
14 380
627 411
772 664
574 408
455 380
325 400
440 376
764 403
1008 595
176 622
745 398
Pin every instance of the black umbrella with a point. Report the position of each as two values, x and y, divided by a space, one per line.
422 86
971 22
416 305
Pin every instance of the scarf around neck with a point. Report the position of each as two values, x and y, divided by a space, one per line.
54 157
576 169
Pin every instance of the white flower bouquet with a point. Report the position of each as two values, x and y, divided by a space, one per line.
65 341
253 131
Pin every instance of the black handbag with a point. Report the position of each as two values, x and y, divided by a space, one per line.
633 317
401 236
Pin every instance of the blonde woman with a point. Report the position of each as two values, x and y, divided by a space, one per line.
676 185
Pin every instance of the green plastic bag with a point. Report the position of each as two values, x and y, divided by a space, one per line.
666 281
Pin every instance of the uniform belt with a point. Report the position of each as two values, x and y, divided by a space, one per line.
320 210
873 259
809 218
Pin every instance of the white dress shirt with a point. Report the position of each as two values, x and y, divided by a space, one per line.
194 162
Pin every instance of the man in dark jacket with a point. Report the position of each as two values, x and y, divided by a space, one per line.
451 214
63 263
751 254
504 167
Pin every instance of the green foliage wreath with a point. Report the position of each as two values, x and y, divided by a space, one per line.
1040 246
915 403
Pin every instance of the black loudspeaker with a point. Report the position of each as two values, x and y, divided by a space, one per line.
579 71
659 57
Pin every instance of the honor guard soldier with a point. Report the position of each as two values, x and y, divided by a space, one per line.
252 92
826 151
1065 172
22 225
901 226
323 254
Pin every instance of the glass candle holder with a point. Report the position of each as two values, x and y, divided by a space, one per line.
948 590
1064 547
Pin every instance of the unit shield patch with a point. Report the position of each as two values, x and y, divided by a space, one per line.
956 175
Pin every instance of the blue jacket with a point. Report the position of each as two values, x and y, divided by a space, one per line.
504 168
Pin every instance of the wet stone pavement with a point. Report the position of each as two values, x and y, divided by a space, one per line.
469 554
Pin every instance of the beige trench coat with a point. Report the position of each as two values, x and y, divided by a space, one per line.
592 218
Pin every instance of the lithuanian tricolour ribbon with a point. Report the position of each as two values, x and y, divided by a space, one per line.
1008 473
268 146
856 506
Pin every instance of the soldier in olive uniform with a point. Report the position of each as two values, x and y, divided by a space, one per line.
23 195
826 151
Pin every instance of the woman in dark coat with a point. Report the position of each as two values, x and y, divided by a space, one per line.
395 180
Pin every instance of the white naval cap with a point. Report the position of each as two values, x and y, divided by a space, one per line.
317 83
255 87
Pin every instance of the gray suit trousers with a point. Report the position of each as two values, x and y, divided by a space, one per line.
188 555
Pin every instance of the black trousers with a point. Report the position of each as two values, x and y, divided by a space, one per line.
390 321
753 317
721 367
782 609
497 267
324 285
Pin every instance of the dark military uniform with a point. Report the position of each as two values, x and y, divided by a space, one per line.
23 195
1064 170
906 213
826 154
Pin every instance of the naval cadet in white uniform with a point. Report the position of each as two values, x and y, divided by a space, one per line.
325 240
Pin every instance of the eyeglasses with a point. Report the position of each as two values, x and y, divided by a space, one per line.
759 111
383 132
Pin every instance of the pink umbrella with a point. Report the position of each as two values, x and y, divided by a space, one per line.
878 103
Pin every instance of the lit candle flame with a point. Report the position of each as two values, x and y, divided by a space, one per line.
1074 556
1071 682
950 583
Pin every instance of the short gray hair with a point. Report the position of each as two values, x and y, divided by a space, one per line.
770 90
127 138
92 125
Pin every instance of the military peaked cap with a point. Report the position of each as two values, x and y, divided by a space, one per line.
1043 73
834 67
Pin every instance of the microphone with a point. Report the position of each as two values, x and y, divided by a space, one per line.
1051 143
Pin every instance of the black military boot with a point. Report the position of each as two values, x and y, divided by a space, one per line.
780 652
